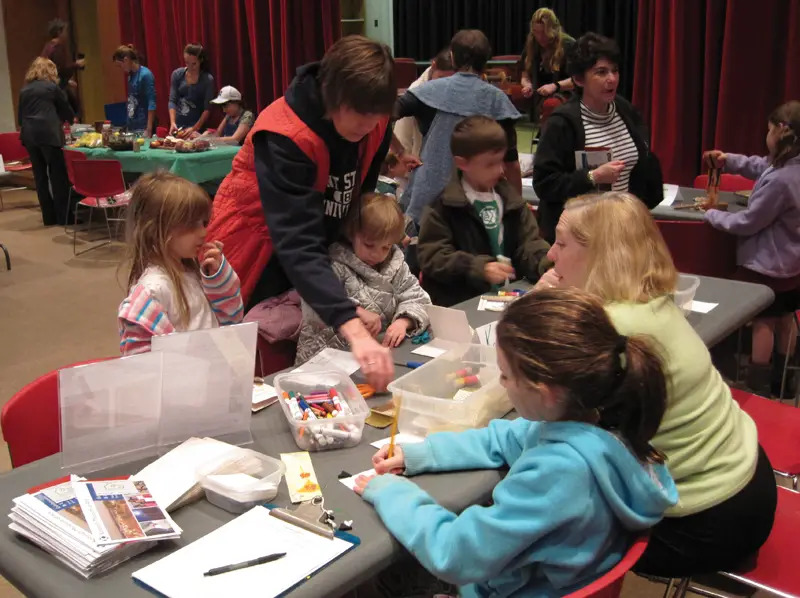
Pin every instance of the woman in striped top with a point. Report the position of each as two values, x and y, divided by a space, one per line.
595 118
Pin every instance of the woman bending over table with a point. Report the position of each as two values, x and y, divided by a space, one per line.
190 91
610 246
141 90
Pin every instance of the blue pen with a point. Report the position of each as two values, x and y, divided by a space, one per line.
410 364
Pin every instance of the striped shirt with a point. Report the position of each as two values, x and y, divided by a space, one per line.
151 308
609 130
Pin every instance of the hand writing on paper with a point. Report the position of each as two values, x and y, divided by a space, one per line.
382 464
396 332
371 320
211 259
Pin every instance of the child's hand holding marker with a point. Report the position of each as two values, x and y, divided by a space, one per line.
211 258
383 464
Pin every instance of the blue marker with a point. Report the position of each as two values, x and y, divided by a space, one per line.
410 364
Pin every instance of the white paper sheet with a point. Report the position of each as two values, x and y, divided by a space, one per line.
429 350
487 334
331 358
254 534
486 305
449 324
702 307
670 193
351 481
398 439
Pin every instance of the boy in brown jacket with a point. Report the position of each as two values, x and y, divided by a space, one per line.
479 223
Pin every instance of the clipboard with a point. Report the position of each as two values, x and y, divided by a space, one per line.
180 574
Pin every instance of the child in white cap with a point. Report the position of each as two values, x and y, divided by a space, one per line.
237 122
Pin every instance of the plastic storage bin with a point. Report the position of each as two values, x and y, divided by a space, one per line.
343 431
685 292
241 479
427 393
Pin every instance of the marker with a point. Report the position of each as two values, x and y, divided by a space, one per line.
243 565
412 365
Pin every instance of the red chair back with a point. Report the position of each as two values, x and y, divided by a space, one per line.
71 156
727 182
162 132
405 72
775 569
610 584
98 178
11 147
30 419
699 248
778 428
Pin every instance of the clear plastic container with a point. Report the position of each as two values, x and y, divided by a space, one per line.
343 431
431 400
241 479
685 292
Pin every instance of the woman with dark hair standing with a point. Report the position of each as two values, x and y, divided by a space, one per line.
596 117
544 61
141 90
43 108
57 50
190 91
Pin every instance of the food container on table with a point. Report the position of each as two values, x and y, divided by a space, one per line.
120 141
431 401
343 431
241 479
685 292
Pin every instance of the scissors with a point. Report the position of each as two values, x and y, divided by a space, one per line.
366 390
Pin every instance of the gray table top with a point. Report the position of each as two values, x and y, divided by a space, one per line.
685 196
36 573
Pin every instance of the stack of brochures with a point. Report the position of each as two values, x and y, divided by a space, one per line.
92 526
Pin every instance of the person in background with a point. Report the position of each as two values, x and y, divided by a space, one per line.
309 158
544 61
769 241
376 278
177 280
609 244
407 129
58 51
583 479
43 110
479 233
237 122
392 172
595 117
141 90
190 91
439 105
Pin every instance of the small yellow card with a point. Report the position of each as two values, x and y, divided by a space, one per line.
301 480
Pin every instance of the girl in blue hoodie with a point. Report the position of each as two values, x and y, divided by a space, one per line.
583 479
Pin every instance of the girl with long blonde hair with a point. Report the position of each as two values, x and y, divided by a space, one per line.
177 281
545 58
609 245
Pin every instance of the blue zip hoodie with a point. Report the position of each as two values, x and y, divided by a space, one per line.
565 514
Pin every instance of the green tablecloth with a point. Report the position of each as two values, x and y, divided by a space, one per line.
198 168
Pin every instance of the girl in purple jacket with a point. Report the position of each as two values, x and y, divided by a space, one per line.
769 243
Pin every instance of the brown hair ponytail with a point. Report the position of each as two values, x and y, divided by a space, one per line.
563 338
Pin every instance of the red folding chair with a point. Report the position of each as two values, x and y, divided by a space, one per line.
699 248
405 72
775 568
103 187
610 584
30 419
778 432
71 156
15 159
727 182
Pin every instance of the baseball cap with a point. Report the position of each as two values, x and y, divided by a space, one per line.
227 94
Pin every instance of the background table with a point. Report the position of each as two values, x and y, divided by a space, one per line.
36 573
686 195
197 167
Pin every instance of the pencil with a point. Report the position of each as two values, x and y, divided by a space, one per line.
390 454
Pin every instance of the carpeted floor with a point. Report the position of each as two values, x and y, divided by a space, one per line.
57 309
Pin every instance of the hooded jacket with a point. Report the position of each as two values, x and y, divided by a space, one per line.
454 246
573 501
291 186
390 290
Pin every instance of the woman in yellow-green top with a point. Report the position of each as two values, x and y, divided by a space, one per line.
609 245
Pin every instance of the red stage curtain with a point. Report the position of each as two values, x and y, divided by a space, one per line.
254 45
708 73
